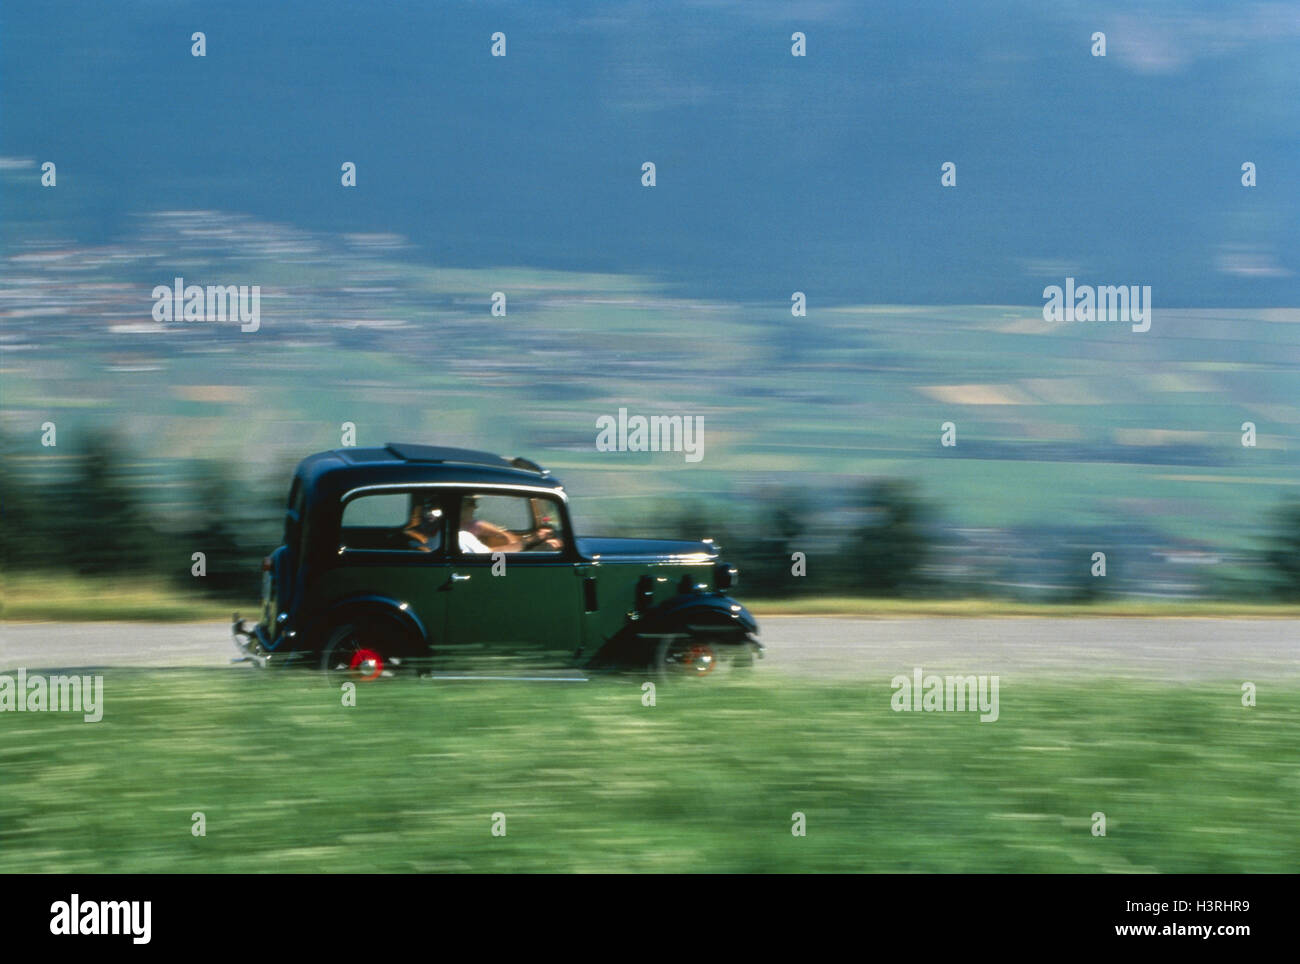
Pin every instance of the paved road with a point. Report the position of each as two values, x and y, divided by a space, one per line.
1176 649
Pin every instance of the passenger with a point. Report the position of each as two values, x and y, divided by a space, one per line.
424 529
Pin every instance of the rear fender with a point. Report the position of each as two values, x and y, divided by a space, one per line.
372 608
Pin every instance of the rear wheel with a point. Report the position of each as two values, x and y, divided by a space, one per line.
364 653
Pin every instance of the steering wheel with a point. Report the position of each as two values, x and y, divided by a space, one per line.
541 539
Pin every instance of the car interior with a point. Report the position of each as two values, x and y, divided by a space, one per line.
417 522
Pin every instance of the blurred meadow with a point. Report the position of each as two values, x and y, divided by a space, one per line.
708 779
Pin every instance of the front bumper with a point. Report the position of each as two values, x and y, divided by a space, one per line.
250 642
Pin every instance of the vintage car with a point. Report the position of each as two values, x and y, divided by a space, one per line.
420 559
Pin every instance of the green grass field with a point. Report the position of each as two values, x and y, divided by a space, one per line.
589 779
68 598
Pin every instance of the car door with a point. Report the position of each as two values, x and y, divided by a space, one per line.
511 601
387 551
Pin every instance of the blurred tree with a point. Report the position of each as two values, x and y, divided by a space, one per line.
214 526
1079 584
18 522
887 550
775 523
1283 554
98 525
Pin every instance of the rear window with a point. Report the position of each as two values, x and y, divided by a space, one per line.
404 521
390 510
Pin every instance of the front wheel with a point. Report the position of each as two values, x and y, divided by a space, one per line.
695 655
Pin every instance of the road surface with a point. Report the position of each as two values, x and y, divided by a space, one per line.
1173 649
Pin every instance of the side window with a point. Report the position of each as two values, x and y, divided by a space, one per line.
388 510
490 522
505 511
392 521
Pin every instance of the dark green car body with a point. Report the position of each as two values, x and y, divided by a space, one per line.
349 565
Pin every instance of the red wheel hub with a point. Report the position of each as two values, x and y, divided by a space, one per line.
700 658
366 664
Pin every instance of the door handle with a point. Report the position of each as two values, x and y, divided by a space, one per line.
457 577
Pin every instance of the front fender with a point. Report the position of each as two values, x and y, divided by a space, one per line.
682 613
688 608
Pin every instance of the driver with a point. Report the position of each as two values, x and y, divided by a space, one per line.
480 536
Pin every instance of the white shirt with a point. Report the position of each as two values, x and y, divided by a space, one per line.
468 543
471 543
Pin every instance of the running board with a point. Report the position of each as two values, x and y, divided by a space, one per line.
513 679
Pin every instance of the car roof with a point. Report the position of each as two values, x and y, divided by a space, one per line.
398 463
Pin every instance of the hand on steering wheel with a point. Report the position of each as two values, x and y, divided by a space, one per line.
543 536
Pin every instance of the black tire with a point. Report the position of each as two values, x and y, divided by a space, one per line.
694 654
365 652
